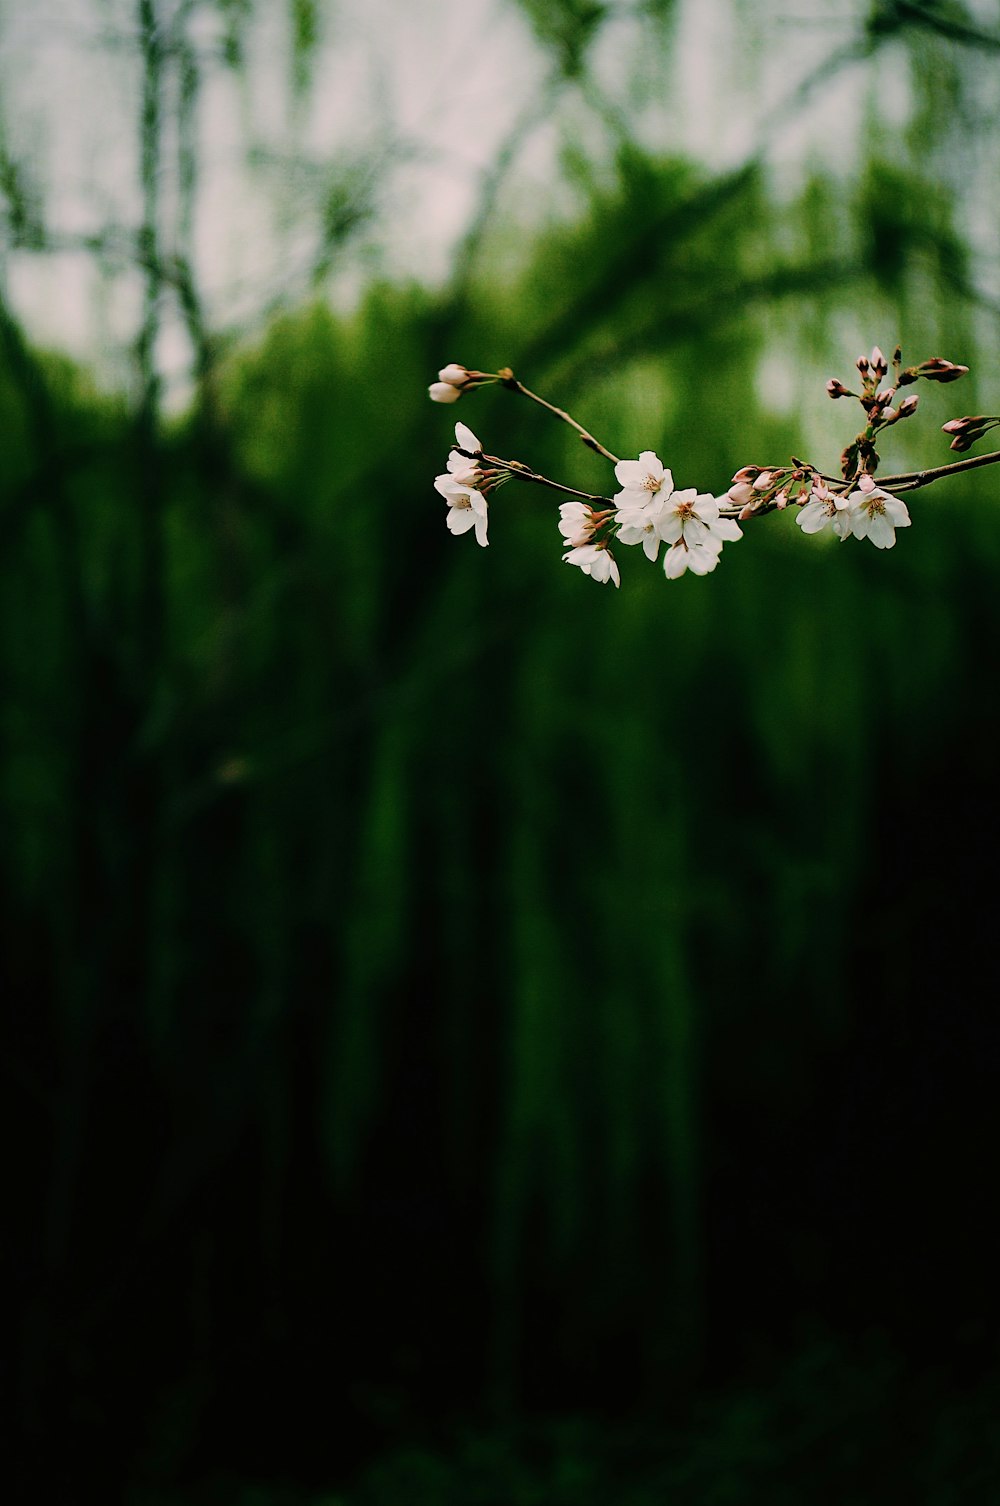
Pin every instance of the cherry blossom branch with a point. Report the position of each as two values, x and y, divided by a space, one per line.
521 472
910 481
691 527
510 381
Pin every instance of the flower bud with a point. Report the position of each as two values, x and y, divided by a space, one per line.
885 396
781 500
862 364
961 425
444 392
908 405
763 482
837 389
454 374
740 492
747 473
879 363
889 415
967 431
940 370
866 483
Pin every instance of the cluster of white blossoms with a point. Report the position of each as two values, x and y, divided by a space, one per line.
691 527
463 486
868 513
649 512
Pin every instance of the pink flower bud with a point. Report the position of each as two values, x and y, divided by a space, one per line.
878 362
444 392
862 364
890 415
747 512
940 370
781 500
866 483
454 374
885 396
740 492
747 473
837 389
908 405
763 481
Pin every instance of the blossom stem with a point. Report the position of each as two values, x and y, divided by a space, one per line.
522 473
510 381
911 480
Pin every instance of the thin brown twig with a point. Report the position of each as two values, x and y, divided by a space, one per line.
510 381
909 481
524 473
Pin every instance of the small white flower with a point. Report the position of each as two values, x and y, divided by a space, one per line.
466 507
642 480
700 559
825 507
576 523
595 560
693 519
876 514
640 525
458 465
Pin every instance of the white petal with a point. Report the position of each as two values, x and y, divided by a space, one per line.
466 440
726 528
670 527
651 546
481 525
881 532
460 520
443 392
702 561
653 466
706 507
813 518
453 490
675 562
896 510
630 474
463 470
695 532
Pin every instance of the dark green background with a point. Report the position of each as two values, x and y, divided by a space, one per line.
477 1036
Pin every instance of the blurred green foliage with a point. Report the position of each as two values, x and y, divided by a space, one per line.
442 985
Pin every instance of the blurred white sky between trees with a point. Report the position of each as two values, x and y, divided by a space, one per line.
304 146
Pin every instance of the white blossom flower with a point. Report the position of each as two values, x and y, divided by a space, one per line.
458 465
693 518
876 514
466 507
642 480
595 560
700 559
576 523
640 525
825 507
